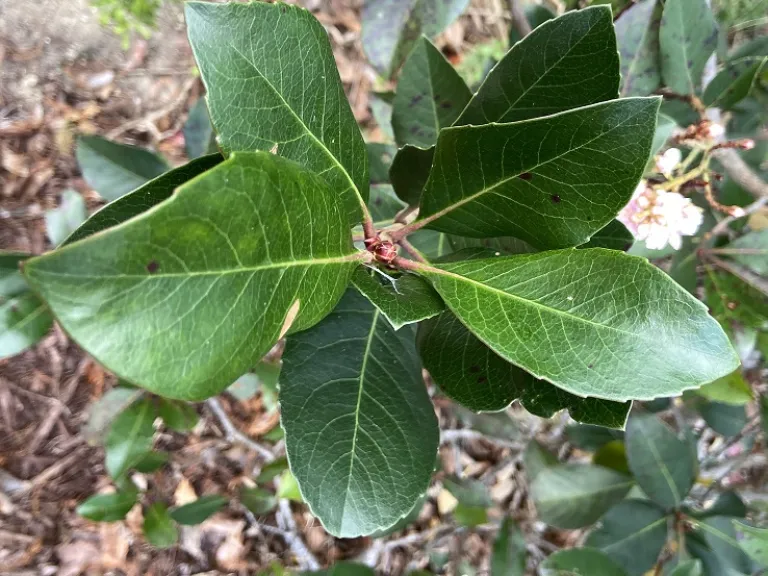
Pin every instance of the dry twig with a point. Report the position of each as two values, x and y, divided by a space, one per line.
232 434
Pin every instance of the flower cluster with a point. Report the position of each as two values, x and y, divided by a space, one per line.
659 217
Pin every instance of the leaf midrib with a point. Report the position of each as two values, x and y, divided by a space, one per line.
361 384
501 292
661 464
244 269
633 535
571 497
451 207
311 134
636 57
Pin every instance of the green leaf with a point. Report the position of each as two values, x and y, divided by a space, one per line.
159 529
536 14
545 191
613 236
380 158
198 511
757 46
144 197
430 243
409 172
391 27
430 96
468 492
403 301
750 250
24 320
470 516
577 561
199 137
724 419
272 470
725 552
689 568
687 35
565 63
343 569
734 298
152 462
108 507
264 379
598 312
364 452
665 126
381 109
590 437
114 169
727 504
536 459
632 534
12 283
103 412
509 554
62 221
258 500
178 416
754 541
494 424
637 33
470 373
612 455
271 80
735 82
130 438
288 487
660 461
731 389
187 297
383 205
576 495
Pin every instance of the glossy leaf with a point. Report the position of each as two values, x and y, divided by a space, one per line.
688 36
735 82
159 529
430 95
637 32
470 373
199 137
539 179
665 126
108 507
576 561
660 461
632 534
731 389
536 459
754 541
130 438
596 312
613 236
612 455
114 169
565 63
724 419
727 504
590 437
24 320
60 222
732 299
392 27
361 434
576 495
198 511
688 568
103 412
271 80
152 462
144 197
750 250
178 416
509 555
409 172
258 500
405 300
167 300
288 487
725 555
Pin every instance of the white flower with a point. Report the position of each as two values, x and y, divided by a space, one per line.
659 217
714 130
667 162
